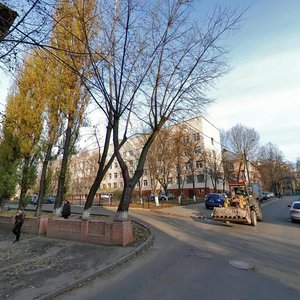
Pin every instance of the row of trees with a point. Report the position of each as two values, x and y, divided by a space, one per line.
245 159
144 63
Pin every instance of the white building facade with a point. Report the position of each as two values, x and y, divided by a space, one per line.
200 171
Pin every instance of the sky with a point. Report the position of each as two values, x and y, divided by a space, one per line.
262 89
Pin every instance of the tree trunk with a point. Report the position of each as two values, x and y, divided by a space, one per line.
61 187
102 169
43 180
122 212
24 181
194 189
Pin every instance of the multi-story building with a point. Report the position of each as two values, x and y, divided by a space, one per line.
196 170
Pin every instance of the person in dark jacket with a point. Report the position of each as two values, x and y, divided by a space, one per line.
66 211
19 220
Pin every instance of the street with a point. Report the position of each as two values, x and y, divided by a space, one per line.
191 259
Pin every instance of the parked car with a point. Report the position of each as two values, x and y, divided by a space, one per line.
214 200
166 197
49 199
162 197
295 211
106 196
265 196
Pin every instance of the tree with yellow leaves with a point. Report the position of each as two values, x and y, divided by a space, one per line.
74 24
24 121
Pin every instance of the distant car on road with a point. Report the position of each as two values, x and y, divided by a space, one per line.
214 200
295 211
265 196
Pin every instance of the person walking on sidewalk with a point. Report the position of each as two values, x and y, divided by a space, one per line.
19 220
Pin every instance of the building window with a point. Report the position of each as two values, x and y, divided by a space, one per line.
196 137
109 176
190 179
186 139
121 185
109 185
115 185
200 178
115 175
170 180
145 182
188 166
212 141
199 164
197 150
115 164
214 154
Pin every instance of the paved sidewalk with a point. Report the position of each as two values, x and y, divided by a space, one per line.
41 268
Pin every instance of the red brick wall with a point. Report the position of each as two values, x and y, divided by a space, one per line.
90 231
31 225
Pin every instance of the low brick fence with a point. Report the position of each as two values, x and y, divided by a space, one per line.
91 231
31 225
119 233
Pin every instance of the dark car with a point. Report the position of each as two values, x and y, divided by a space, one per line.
49 199
214 200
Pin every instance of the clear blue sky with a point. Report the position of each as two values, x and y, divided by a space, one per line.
262 91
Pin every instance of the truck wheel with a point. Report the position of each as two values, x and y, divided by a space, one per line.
253 218
258 212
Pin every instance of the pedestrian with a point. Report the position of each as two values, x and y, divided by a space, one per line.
66 210
19 220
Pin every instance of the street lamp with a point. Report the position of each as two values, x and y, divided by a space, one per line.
7 17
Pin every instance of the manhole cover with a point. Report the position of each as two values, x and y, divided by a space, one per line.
241 264
203 255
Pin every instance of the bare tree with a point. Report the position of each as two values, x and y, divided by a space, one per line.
151 64
273 168
159 65
242 141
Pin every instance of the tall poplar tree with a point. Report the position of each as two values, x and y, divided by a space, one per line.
74 25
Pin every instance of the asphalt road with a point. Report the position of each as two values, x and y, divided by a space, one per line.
192 259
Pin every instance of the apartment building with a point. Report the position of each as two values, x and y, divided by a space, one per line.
199 162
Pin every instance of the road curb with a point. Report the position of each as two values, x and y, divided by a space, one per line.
132 254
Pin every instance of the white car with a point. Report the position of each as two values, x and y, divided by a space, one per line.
106 196
295 211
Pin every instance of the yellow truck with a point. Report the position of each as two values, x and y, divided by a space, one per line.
240 207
